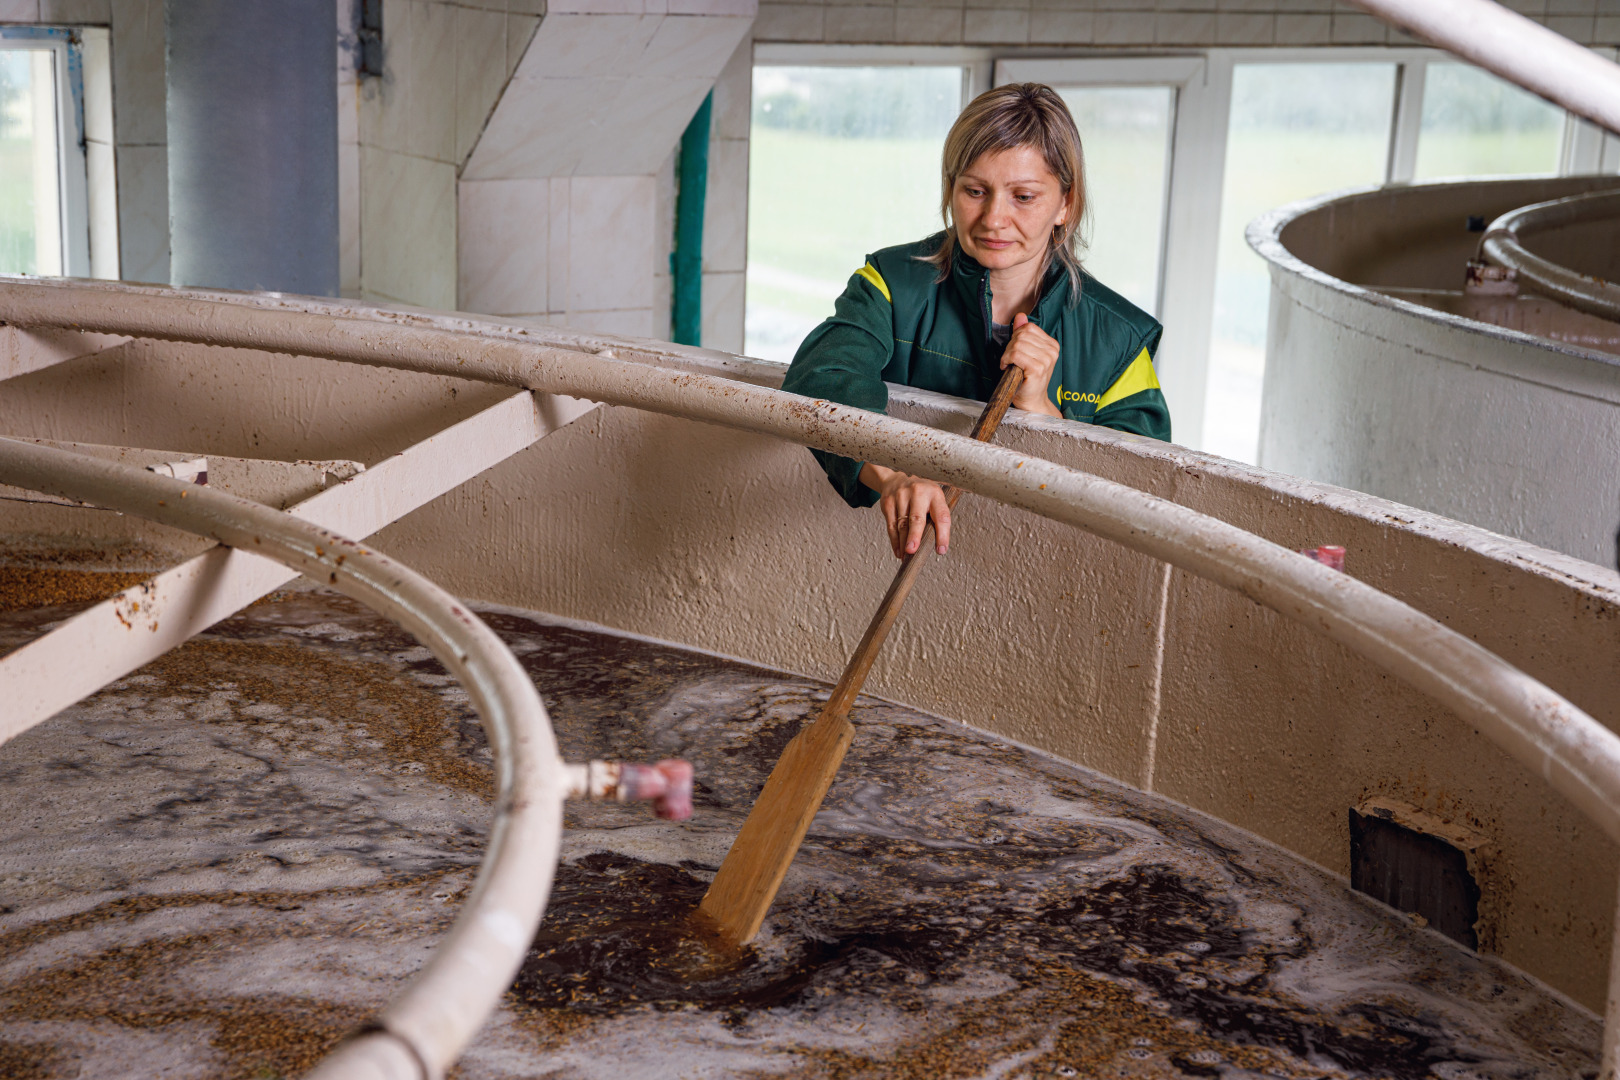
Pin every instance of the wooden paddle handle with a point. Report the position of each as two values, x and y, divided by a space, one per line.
854 677
1000 401
754 868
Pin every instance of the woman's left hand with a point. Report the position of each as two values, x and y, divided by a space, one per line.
1036 351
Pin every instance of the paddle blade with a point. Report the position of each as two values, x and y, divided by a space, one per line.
743 890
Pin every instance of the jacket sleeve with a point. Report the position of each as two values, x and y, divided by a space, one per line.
1134 402
843 360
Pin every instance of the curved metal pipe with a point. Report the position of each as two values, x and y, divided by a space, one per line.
426 1027
1502 245
1518 49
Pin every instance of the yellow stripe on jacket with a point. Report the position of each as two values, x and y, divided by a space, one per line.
869 272
1135 379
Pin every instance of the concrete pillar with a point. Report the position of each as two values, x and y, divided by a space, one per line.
253 153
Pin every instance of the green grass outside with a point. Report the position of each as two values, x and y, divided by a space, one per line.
819 204
1514 152
16 206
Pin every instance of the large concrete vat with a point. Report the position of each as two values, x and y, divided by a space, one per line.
1382 375
733 542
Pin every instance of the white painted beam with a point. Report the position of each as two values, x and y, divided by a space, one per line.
143 622
22 351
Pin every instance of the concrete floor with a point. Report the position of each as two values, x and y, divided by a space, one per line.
221 864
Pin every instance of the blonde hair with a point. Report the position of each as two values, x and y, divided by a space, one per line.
1007 118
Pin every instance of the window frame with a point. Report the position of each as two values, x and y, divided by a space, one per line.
1190 230
977 63
1587 147
73 197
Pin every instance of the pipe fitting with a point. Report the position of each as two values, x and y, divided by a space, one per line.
195 470
667 785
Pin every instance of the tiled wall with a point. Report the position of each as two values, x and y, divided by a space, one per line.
725 218
591 241
725 215
1128 22
566 202
410 146
140 128
404 138
446 64
574 251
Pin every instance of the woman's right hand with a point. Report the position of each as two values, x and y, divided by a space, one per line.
907 502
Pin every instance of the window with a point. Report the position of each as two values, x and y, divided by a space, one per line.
30 172
1294 130
44 204
842 161
1125 131
1474 124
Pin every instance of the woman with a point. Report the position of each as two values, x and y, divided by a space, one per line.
1001 285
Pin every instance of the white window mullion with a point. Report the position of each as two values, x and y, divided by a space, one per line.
1192 241
1582 148
70 137
1588 148
1403 142
979 76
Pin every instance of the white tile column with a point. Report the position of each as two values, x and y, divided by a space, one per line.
558 202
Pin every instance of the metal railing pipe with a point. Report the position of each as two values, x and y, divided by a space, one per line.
1503 244
1518 49
426 1027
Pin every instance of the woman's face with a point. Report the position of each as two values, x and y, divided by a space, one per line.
1005 205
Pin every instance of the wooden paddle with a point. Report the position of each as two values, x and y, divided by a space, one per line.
743 890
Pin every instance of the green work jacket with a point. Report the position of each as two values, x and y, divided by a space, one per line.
897 323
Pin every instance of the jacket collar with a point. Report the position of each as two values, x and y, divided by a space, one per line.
972 282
